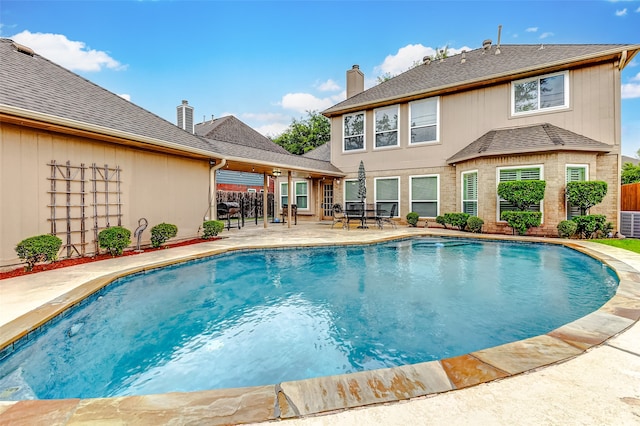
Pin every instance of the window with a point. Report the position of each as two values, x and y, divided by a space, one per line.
386 127
509 174
424 120
470 193
541 93
425 193
388 193
351 191
575 173
353 132
301 195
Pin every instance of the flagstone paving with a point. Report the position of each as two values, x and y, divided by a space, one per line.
586 372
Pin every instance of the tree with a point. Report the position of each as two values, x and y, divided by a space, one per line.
586 194
305 134
630 173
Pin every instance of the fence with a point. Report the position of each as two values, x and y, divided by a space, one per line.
630 197
251 203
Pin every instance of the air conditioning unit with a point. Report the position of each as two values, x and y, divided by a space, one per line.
630 224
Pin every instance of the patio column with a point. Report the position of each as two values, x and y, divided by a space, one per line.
290 198
265 198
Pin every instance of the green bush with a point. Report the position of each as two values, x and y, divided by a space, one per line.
522 193
586 194
114 239
589 226
212 228
42 248
162 232
521 221
474 224
567 228
459 220
412 218
440 220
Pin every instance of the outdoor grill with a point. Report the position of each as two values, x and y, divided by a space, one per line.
227 210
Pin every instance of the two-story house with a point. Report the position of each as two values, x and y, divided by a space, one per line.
439 137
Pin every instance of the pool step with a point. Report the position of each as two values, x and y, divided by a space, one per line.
13 387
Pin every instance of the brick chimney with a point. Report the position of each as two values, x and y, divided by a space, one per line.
355 81
185 117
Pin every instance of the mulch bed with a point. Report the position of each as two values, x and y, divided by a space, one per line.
63 263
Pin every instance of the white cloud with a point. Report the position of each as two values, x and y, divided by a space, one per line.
621 12
272 130
546 35
303 102
409 55
635 78
73 55
328 86
532 29
265 116
125 96
630 90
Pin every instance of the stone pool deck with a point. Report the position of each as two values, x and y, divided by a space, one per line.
587 372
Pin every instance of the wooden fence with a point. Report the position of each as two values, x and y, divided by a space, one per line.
630 197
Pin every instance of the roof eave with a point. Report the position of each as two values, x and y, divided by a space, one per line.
452 161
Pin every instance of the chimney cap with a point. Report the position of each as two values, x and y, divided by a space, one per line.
355 67
486 44
185 102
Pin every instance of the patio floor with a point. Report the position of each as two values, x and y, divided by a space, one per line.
587 372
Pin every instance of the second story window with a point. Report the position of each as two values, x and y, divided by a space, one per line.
424 120
353 132
548 92
386 127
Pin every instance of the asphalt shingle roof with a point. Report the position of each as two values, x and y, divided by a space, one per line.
478 67
322 152
527 139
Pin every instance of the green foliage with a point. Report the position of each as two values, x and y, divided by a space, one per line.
42 248
303 135
474 224
459 220
521 221
567 228
630 173
114 239
586 194
593 225
162 232
212 228
412 218
522 193
440 220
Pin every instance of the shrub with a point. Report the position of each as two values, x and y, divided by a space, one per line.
521 221
440 220
589 226
412 218
162 232
567 228
458 220
114 239
586 194
212 228
522 193
474 224
42 248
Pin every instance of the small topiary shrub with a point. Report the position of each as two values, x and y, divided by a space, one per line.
459 220
114 239
440 220
586 194
591 225
162 232
474 224
42 248
521 221
412 218
567 228
212 228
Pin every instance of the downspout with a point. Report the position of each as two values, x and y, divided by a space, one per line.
213 167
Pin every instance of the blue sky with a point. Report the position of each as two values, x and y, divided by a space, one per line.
267 62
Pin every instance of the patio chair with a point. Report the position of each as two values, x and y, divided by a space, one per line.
339 216
381 220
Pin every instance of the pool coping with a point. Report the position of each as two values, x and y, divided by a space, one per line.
332 394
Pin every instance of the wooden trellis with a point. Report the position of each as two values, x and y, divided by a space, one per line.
68 203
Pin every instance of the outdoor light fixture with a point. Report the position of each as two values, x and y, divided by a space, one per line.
276 172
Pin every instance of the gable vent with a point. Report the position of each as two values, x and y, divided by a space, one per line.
23 49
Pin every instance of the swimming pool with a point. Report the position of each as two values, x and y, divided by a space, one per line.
232 321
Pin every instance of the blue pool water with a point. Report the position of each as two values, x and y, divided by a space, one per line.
263 317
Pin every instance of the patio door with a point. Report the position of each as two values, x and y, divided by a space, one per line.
327 201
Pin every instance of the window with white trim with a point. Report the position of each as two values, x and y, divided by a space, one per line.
545 93
470 193
353 132
350 192
386 126
284 194
575 173
302 195
387 193
424 119
513 174
425 195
